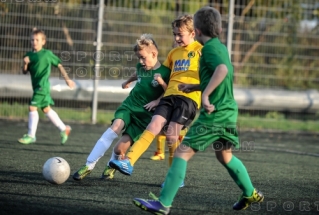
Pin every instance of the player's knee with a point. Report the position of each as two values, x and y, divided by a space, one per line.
171 139
46 109
32 108
117 126
154 127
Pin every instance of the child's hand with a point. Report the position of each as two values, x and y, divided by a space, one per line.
150 106
70 83
185 88
125 85
26 60
158 78
209 108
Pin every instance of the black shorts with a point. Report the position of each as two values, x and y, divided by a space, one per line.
179 109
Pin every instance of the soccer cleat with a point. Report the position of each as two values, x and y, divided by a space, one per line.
26 139
65 134
81 173
182 184
158 156
123 166
152 205
245 201
108 173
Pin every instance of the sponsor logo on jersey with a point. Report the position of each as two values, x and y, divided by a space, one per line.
181 65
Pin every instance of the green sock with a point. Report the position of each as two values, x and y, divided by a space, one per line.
238 172
174 178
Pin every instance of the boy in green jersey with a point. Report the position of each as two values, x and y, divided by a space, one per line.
136 111
216 124
38 62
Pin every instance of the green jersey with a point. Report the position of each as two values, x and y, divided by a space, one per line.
214 53
146 88
40 69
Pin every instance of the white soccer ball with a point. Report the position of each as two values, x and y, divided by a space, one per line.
56 170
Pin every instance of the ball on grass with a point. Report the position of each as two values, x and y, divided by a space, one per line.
56 170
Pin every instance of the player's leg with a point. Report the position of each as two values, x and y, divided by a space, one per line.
122 118
140 146
173 141
65 130
162 112
125 142
98 151
32 126
160 148
174 178
238 172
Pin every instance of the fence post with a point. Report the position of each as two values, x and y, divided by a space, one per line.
230 26
97 60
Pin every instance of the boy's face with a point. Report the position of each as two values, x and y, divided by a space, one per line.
182 36
37 42
147 58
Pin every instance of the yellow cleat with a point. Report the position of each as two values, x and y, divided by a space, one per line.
244 201
158 156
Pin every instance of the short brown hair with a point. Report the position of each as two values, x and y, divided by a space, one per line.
38 31
145 40
208 20
184 21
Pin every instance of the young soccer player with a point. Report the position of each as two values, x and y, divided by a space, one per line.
176 108
216 123
38 62
159 154
136 111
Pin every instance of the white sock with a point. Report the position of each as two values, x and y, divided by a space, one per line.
33 123
114 157
55 119
101 146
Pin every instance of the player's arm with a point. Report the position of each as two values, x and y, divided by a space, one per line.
218 76
26 61
188 88
159 79
64 74
152 105
127 83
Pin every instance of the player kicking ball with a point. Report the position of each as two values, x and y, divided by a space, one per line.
177 109
136 111
216 123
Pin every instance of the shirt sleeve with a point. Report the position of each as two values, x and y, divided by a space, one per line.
55 60
212 58
168 61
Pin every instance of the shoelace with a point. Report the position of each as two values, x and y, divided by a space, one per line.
153 196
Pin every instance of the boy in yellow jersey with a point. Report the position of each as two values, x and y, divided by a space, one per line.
216 123
159 154
176 109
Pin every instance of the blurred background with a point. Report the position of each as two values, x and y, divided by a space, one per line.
274 48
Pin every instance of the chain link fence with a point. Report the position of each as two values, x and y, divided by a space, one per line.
274 50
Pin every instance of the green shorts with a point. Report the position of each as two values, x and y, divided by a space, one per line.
201 135
41 101
136 119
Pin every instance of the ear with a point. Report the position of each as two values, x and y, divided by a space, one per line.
198 32
154 54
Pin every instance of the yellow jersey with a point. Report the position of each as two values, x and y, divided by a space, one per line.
184 65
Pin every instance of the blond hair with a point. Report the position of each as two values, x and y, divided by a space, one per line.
184 21
208 20
145 41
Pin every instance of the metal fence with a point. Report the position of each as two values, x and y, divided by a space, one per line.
275 45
